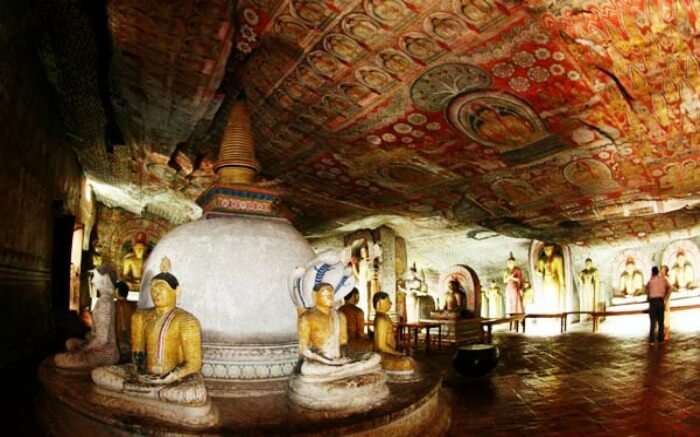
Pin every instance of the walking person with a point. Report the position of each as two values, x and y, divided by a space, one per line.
667 306
657 289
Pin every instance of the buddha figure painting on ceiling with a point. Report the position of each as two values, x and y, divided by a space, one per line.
682 273
132 263
163 380
631 280
328 379
393 361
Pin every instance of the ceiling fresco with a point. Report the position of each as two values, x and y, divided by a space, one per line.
569 120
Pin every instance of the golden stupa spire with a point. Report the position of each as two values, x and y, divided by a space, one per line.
237 163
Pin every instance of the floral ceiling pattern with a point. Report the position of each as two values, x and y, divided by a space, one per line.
570 120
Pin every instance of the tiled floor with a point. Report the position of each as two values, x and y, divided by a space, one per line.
582 384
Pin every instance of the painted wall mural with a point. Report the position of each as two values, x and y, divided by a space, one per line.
554 120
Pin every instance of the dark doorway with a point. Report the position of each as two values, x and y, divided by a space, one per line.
60 262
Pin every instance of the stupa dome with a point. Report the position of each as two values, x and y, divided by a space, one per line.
234 273
234 266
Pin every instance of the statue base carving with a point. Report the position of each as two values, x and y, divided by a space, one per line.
445 315
355 387
184 402
69 406
459 331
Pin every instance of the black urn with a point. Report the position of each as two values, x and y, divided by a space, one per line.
475 360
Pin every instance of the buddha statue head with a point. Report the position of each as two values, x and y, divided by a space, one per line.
96 260
413 272
381 302
680 258
511 262
548 249
139 250
164 287
353 297
323 296
630 265
589 263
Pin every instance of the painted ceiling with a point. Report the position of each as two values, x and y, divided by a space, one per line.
570 120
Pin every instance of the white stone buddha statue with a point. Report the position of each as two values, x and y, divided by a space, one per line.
631 280
100 348
682 273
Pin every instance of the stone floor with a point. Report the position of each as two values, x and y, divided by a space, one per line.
582 384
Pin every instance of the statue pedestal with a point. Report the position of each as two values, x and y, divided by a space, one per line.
459 331
67 407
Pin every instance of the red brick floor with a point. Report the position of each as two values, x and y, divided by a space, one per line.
582 384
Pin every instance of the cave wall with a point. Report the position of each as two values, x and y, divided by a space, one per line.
40 178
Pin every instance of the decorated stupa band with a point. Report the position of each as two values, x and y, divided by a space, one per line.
393 360
166 359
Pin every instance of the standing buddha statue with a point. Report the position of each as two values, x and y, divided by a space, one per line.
550 265
513 280
589 287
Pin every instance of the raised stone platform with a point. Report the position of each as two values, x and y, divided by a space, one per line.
457 332
68 407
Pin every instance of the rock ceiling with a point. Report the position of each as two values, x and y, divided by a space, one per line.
569 120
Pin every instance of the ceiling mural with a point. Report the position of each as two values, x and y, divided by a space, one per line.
573 120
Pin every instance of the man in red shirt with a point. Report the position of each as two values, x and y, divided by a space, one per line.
657 290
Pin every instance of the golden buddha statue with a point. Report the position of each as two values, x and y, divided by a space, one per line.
393 361
631 280
551 266
164 378
355 317
132 265
328 379
682 273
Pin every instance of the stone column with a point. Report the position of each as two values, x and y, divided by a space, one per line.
387 269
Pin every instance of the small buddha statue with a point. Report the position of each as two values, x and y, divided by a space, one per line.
682 274
328 379
631 280
132 265
393 361
166 355
495 300
100 347
418 303
355 317
455 302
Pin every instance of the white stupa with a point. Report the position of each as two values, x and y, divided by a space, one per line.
234 265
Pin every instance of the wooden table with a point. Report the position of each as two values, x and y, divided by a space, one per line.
416 327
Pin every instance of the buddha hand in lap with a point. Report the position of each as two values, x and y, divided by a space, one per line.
327 379
393 361
166 356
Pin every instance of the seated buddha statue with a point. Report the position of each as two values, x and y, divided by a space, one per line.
682 274
393 361
355 318
132 264
455 302
100 346
328 379
163 380
631 280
